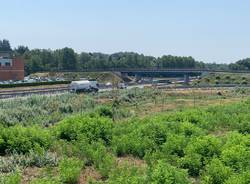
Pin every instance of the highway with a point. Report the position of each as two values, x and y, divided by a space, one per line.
8 94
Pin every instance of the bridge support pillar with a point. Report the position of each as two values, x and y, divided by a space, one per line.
125 74
137 77
186 79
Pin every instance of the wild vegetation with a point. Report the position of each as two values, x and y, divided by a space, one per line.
224 79
108 139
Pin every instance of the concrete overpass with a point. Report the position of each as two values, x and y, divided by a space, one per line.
185 72
161 70
138 72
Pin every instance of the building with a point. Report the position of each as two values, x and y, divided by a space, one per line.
11 68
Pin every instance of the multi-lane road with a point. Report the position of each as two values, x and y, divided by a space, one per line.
6 94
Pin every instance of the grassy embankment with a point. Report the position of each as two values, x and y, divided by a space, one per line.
224 78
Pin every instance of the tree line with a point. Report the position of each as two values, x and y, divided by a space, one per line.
66 59
243 64
5 45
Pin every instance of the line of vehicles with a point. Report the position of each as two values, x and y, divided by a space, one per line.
86 85
90 86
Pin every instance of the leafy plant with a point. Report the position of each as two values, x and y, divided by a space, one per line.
13 178
216 172
23 139
163 173
93 128
69 170
126 174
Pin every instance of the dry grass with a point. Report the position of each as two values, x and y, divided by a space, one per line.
30 173
131 161
89 173
181 103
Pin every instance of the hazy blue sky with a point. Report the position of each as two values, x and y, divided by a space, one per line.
208 30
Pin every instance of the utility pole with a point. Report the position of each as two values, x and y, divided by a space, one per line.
115 102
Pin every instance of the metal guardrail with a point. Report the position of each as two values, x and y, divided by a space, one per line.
28 90
21 93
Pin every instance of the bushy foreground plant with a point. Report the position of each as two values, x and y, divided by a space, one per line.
23 139
143 138
95 154
216 172
70 170
127 174
93 128
198 152
32 159
243 178
163 173
48 109
12 178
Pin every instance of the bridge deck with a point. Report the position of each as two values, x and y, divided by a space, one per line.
161 70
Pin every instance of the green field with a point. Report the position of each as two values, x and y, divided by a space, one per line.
132 136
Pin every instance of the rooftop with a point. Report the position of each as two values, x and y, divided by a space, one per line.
5 54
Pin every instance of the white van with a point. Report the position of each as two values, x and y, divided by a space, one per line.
83 86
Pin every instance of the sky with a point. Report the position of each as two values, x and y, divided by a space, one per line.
208 30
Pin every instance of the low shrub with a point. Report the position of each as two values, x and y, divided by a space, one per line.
95 154
48 109
163 173
190 130
243 178
174 145
193 163
13 178
216 172
15 161
93 128
198 152
70 169
237 157
206 146
143 138
126 174
104 111
23 139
